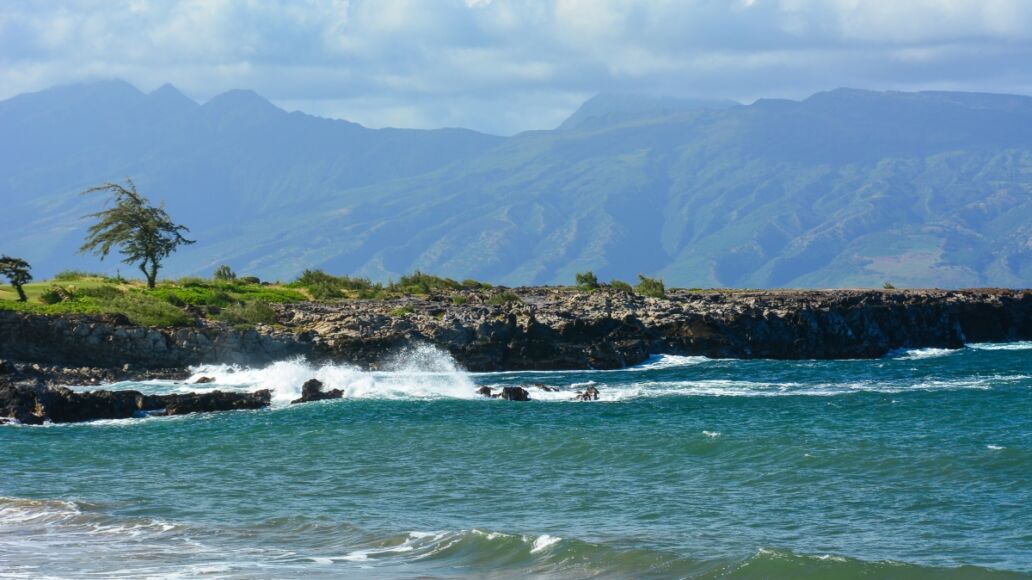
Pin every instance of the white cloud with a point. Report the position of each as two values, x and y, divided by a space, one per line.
507 65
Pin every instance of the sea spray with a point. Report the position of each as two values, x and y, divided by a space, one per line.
420 372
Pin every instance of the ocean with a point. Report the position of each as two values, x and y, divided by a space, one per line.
915 465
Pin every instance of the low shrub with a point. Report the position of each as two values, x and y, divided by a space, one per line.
650 287
323 286
475 284
401 311
65 275
188 281
145 310
54 294
250 280
459 300
98 292
505 297
249 314
586 281
420 283
621 286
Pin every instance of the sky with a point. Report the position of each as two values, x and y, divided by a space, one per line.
504 66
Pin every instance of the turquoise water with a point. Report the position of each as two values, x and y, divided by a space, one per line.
916 465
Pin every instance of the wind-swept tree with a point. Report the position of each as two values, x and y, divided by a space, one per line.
144 234
17 272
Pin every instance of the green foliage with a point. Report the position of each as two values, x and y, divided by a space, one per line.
248 314
187 281
145 310
224 274
401 311
475 284
586 281
144 234
459 300
650 287
53 295
505 297
420 283
17 272
323 286
67 275
250 280
621 286
888 286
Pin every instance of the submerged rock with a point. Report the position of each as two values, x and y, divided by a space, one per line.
312 391
204 380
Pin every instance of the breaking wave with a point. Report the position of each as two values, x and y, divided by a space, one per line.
47 537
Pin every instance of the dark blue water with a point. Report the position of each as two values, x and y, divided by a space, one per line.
917 465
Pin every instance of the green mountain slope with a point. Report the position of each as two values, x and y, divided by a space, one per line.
845 188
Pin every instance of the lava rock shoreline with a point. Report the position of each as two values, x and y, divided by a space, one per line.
542 328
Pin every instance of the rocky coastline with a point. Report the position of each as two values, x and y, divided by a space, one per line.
520 329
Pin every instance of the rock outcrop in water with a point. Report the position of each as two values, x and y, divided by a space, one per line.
312 391
546 328
34 404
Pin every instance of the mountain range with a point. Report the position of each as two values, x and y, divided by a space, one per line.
844 188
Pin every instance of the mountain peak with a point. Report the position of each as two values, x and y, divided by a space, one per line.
609 108
240 99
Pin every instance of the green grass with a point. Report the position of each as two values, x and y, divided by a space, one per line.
237 302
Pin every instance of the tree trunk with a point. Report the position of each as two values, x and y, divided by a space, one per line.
152 276
21 293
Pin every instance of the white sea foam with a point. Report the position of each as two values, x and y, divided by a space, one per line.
711 434
423 372
994 447
1022 345
543 542
654 362
921 353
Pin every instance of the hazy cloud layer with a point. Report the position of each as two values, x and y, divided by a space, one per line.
505 65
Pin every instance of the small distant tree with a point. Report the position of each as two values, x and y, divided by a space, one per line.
144 234
650 287
587 281
888 286
224 274
17 272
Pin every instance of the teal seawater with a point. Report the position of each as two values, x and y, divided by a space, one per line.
916 465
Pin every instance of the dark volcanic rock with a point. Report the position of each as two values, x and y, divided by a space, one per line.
312 391
208 402
546 328
589 394
204 381
486 392
32 404
515 394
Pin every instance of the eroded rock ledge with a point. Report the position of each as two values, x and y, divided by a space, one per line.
34 404
546 328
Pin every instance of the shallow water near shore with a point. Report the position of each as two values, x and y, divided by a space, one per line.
915 465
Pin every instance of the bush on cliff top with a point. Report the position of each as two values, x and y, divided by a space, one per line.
650 287
587 281
248 314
